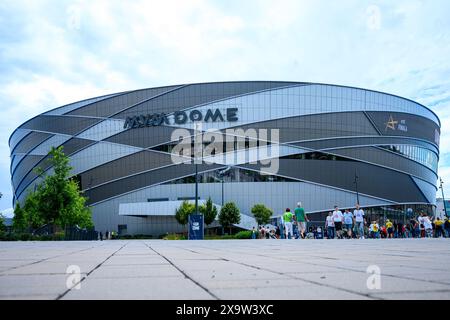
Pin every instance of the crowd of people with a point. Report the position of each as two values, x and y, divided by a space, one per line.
348 225
354 225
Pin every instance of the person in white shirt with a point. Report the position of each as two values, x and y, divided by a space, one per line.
374 230
428 226
329 224
420 220
358 213
337 219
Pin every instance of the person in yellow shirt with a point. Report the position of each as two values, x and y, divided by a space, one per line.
438 228
390 228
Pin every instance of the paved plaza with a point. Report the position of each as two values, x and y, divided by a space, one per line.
229 269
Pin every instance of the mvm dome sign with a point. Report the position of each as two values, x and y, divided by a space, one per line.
180 117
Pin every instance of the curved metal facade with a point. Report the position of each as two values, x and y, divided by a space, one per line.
327 134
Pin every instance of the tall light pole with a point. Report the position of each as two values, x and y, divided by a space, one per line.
356 185
441 183
222 180
196 188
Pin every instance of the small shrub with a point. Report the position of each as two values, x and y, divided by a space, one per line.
44 237
59 236
142 236
126 237
243 235
174 236
220 237
25 237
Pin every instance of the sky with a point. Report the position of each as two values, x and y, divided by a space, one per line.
57 52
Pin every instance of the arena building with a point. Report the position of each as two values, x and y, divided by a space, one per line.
320 144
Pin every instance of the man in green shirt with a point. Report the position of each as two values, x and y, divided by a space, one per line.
287 219
301 218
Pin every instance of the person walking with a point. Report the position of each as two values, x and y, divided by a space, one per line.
301 218
400 230
428 226
439 230
447 227
348 221
287 218
420 220
373 229
389 229
337 219
358 214
329 225
254 233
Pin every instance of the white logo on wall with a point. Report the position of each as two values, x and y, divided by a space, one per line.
402 126
396 125
196 226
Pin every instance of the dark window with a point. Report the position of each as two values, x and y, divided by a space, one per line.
157 199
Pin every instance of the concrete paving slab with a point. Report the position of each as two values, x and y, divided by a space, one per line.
357 281
135 260
19 286
304 292
247 269
135 271
424 295
52 268
138 289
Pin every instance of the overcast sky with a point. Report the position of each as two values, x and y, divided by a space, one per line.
56 52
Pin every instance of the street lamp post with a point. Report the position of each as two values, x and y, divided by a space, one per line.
222 174
196 188
198 157
222 189
443 198
356 185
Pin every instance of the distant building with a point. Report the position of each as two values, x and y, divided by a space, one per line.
440 212
8 223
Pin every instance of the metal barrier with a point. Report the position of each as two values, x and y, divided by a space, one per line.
75 233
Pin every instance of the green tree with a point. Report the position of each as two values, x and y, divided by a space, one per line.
59 200
182 213
229 215
2 223
56 200
20 220
27 217
75 212
261 213
209 211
